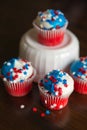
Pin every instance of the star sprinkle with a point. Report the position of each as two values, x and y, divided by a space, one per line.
47 112
22 106
42 114
34 109
8 63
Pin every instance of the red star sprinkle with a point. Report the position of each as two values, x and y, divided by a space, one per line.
57 27
34 109
15 69
82 58
60 91
56 87
56 12
66 85
52 79
8 73
82 70
42 114
46 80
24 60
19 71
14 77
24 67
41 84
78 76
53 19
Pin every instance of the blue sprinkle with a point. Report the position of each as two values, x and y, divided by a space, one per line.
26 66
21 80
59 80
25 73
61 74
47 112
64 73
64 81
80 73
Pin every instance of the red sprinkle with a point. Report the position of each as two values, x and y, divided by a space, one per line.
82 70
53 79
15 69
66 85
53 19
34 109
19 71
56 12
41 84
78 76
42 114
60 91
82 58
56 87
57 27
8 73
46 80
14 77
24 60
24 67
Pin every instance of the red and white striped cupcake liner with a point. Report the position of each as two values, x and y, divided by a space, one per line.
80 86
21 88
52 102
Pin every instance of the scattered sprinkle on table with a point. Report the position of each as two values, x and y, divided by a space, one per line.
22 106
34 109
42 114
47 112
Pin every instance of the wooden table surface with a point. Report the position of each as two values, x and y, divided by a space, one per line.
16 18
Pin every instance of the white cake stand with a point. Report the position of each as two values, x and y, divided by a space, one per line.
45 58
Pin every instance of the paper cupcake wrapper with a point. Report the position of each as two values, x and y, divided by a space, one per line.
80 86
53 102
50 37
21 88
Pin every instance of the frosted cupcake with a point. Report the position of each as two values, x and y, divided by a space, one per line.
55 89
50 25
78 71
18 75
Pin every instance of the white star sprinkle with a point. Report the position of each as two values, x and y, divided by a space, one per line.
22 106
61 106
8 63
60 20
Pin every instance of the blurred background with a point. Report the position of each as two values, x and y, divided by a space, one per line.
16 18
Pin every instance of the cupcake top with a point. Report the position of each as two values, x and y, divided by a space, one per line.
57 83
79 68
50 19
16 70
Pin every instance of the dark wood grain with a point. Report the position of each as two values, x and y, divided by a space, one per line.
16 18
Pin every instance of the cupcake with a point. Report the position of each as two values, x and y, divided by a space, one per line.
17 75
55 89
50 25
78 71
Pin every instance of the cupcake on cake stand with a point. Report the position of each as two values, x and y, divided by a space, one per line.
48 49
